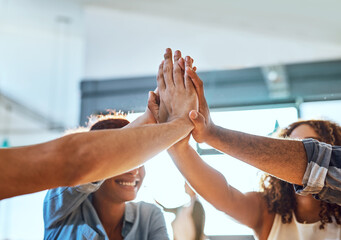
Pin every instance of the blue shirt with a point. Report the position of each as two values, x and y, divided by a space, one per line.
322 177
69 214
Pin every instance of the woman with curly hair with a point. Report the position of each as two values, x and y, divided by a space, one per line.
291 208
276 212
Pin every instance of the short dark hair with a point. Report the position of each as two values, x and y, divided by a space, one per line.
109 123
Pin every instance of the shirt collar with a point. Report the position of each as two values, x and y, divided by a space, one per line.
129 219
129 213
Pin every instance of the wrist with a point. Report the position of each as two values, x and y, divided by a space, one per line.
211 133
184 122
182 125
178 147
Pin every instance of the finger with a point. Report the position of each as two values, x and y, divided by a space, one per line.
157 96
182 63
198 83
168 68
177 72
152 99
188 61
153 105
193 67
160 80
188 64
177 55
156 91
197 119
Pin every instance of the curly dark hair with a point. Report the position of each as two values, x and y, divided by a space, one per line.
280 195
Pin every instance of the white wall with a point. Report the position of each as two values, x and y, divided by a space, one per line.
41 56
41 60
124 43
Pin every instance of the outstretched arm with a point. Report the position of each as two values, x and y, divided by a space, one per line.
285 159
86 157
246 208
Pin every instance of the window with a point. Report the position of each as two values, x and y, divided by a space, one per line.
328 110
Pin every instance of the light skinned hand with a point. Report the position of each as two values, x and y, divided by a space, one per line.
177 92
161 115
149 116
153 105
185 63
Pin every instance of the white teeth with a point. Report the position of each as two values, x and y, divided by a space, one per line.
127 183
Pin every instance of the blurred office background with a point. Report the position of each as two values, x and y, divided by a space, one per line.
264 64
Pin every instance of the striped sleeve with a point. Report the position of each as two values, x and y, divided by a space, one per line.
322 177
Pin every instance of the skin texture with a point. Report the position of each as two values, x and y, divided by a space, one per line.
173 85
283 158
109 200
250 208
84 157
308 208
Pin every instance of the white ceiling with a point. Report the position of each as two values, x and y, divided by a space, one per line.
309 20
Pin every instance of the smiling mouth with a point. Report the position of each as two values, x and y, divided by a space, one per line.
130 184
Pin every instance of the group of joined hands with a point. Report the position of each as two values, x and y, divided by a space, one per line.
180 95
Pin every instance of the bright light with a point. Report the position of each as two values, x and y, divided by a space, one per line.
165 184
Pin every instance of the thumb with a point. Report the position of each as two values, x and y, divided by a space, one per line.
197 119
153 103
152 98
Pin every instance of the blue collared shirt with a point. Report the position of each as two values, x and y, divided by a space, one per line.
322 177
69 214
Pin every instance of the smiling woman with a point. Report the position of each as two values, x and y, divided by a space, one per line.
100 208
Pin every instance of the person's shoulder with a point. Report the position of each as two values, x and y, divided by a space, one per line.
55 193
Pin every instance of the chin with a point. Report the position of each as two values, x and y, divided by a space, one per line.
129 199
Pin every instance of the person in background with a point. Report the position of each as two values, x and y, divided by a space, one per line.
100 210
312 218
189 222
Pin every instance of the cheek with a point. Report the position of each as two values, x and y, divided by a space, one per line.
108 185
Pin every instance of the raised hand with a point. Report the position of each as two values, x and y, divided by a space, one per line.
203 124
177 92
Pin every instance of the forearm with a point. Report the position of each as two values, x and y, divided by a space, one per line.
131 147
212 185
283 158
145 118
84 157
207 181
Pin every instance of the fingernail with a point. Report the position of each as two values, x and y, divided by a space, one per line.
187 58
194 115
